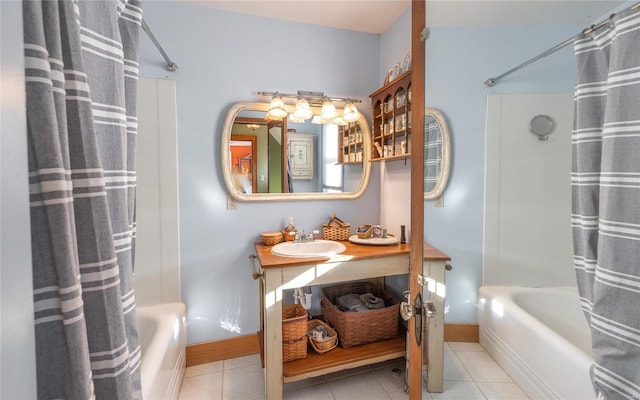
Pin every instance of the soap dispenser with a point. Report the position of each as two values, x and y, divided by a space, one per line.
290 231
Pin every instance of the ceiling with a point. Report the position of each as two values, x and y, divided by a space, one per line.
375 16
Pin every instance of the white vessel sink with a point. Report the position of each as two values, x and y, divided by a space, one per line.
316 248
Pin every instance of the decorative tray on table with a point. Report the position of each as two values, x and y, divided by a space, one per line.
374 241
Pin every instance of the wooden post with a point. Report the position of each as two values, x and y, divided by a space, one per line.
418 14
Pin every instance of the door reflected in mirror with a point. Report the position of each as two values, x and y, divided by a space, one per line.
436 153
267 159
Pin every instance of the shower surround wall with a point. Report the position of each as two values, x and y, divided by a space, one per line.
528 192
157 257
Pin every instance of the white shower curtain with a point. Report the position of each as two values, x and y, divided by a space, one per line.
606 200
81 81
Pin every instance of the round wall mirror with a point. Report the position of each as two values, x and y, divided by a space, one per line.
275 160
436 154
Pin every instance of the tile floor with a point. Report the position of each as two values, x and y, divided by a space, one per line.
469 374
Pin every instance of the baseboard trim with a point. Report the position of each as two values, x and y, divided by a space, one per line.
216 350
462 333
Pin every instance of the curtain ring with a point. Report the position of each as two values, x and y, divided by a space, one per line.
611 23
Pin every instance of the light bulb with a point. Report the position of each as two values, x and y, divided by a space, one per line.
328 110
276 108
303 110
351 113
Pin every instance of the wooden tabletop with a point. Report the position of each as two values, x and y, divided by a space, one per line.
430 253
353 252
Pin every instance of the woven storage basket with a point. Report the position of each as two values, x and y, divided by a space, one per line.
336 229
322 347
365 231
294 332
271 238
356 328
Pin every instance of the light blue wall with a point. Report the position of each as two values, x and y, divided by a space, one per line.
224 58
394 43
458 61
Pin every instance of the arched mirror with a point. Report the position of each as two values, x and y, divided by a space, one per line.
269 160
436 154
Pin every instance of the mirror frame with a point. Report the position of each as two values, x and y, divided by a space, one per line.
237 195
438 190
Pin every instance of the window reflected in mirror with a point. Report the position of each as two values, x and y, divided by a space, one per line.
436 153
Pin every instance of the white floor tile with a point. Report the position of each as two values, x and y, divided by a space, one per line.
482 367
459 390
453 369
502 391
244 383
314 392
251 359
202 369
393 384
202 387
469 374
288 387
396 363
362 386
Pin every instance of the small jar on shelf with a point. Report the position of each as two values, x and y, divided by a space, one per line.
401 122
400 99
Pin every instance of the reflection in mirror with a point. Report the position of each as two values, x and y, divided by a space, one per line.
265 159
436 153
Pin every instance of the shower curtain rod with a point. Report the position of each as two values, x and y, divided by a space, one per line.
171 66
586 31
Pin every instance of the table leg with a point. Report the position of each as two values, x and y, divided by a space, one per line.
273 334
435 335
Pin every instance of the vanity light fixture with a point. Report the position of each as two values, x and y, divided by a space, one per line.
351 113
295 120
303 110
307 99
340 121
276 108
328 110
253 127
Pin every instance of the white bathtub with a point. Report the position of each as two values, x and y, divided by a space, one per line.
163 339
540 337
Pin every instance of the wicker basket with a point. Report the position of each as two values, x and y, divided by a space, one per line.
356 328
322 347
365 231
294 332
336 229
271 238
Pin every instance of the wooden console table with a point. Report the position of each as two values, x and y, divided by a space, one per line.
356 263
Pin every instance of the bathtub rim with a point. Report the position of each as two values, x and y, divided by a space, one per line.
532 380
164 316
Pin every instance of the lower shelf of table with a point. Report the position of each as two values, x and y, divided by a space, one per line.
340 359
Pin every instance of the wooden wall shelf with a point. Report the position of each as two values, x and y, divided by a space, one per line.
391 126
350 144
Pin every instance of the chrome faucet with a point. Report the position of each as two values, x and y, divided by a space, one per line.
305 237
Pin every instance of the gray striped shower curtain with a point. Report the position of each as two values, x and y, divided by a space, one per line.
81 81
605 182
